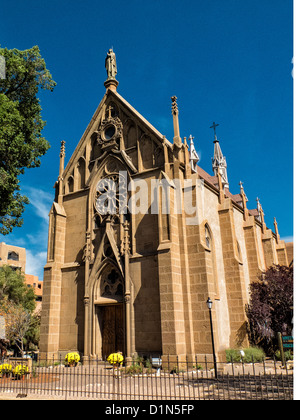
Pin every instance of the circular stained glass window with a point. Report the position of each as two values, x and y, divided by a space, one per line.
109 132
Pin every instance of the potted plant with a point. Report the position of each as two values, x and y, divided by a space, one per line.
72 359
116 360
5 370
20 371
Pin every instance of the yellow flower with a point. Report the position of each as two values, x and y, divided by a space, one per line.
5 368
20 370
115 358
72 358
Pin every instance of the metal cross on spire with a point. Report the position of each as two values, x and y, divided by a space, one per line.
214 126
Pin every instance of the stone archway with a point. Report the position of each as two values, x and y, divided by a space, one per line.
109 312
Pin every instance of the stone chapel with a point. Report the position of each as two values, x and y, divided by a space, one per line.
138 281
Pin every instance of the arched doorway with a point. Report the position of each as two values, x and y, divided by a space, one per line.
110 313
111 321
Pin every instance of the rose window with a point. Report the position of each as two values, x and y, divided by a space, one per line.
111 195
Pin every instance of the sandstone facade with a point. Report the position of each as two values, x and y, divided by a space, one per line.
139 282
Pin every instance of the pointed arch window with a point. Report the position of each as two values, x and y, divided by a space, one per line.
208 239
71 184
81 173
112 284
211 259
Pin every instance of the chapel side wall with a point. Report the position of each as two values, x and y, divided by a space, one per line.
252 238
147 321
75 206
234 274
144 274
269 248
281 251
210 213
173 316
260 249
240 236
207 276
51 308
72 273
72 311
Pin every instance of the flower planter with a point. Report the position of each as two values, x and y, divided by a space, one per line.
5 370
72 359
20 372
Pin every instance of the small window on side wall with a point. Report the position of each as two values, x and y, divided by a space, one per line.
13 256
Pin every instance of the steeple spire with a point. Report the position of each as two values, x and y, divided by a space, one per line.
219 161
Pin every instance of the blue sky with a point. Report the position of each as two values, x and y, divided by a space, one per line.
228 61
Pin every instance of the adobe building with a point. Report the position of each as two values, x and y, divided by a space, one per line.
14 256
37 286
138 280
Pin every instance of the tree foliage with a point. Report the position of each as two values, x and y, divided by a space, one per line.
270 307
17 303
21 125
14 289
17 323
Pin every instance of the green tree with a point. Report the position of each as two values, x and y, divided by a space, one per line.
32 336
21 125
14 289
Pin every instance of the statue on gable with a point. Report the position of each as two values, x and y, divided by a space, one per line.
111 64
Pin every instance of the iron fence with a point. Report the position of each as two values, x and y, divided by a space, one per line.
97 379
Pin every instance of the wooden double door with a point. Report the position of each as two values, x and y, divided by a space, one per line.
112 326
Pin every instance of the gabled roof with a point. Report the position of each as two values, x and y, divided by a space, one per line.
141 118
119 99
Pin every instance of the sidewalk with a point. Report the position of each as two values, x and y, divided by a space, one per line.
10 396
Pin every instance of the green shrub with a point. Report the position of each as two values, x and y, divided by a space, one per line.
252 354
287 354
135 369
233 355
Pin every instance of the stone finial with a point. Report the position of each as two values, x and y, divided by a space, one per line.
62 149
174 105
61 170
177 139
219 160
221 187
244 200
194 158
276 230
261 215
62 155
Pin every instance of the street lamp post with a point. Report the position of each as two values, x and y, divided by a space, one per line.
209 304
